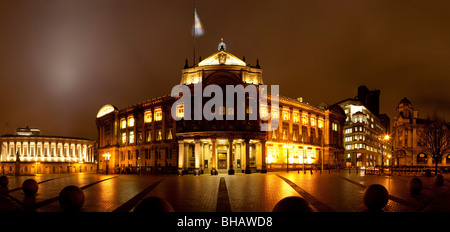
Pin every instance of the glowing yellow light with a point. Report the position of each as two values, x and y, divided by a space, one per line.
148 116
158 114
130 121
386 137
124 138
131 136
305 119
106 109
123 123
286 114
222 58
296 116
320 123
180 111
264 112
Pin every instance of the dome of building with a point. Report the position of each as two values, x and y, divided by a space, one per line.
405 101
220 68
337 108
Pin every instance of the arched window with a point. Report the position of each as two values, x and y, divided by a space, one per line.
422 158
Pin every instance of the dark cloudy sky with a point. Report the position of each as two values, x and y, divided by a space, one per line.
62 60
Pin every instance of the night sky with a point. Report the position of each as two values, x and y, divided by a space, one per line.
62 60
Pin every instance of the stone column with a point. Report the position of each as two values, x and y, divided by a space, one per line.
247 157
213 157
180 157
231 157
263 157
202 158
197 157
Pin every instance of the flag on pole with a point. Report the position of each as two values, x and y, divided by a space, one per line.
197 29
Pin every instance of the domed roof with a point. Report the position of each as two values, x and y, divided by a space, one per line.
405 101
337 108
106 109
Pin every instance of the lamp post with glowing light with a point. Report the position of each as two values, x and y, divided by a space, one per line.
107 156
384 140
37 163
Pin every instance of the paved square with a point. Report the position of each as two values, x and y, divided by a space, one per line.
326 192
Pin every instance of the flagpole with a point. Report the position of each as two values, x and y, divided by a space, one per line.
194 34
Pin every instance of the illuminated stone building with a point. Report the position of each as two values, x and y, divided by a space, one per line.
29 152
146 137
365 131
407 124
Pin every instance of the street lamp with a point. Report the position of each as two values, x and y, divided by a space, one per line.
106 156
384 138
37 163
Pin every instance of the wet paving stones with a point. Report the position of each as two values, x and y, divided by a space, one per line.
326 192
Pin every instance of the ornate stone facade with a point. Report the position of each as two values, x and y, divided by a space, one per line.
405 134
28 152
146 138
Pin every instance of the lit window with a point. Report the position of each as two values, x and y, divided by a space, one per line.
231 111
264 113
158 135
131 136
304 119
275 113
124 138
320 123
296 116
249 110
180 111
286 114
149 136
313 121
130 121
295 135
148 116
335 126
169 134
284 134
123 123
158 114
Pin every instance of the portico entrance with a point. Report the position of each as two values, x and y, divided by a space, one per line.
222 160
220 155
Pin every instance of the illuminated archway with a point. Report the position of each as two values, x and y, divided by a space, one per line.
106 109
422 158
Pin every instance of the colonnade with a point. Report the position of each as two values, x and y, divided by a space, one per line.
207 154
46 151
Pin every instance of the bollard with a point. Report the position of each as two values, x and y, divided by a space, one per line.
375 197
292 204
438 180
30 187
71 198
4 181
415 185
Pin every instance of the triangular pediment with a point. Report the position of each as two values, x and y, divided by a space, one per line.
222 58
